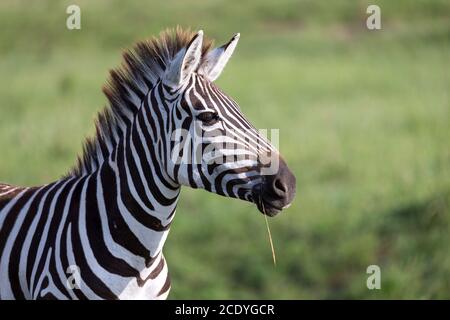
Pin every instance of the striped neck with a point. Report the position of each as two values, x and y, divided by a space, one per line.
137 201
134 175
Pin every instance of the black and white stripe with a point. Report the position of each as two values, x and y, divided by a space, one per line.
110 216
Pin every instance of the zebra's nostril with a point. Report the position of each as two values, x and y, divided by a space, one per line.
279 187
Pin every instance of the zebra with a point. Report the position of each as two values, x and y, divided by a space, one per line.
98 232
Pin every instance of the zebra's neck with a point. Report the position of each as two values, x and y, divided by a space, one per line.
136 201
136 180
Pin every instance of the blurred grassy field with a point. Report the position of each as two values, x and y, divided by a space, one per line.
364 119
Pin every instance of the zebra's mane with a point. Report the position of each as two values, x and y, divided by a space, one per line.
141 68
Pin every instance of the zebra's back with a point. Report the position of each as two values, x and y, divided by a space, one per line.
13 199
7 193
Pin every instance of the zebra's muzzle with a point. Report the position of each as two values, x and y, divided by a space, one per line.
276 192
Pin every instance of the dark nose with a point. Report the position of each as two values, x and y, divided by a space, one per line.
279 189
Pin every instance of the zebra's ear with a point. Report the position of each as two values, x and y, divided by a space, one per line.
184 62
215 60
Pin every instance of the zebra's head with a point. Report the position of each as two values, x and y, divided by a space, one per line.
212 145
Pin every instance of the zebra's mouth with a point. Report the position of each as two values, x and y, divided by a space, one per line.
263 205
268 209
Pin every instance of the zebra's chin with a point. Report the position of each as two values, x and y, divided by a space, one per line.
265 204
268 209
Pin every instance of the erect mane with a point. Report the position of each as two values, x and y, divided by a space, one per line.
141 68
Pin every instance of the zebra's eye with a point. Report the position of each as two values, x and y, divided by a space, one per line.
208 118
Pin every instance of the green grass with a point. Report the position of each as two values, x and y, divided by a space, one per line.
364 119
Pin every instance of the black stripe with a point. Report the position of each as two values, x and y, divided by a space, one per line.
120 232
32 253
95 236
88 276
7 227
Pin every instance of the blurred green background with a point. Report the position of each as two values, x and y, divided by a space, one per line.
364 119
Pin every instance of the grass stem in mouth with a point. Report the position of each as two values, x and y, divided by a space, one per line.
270 236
